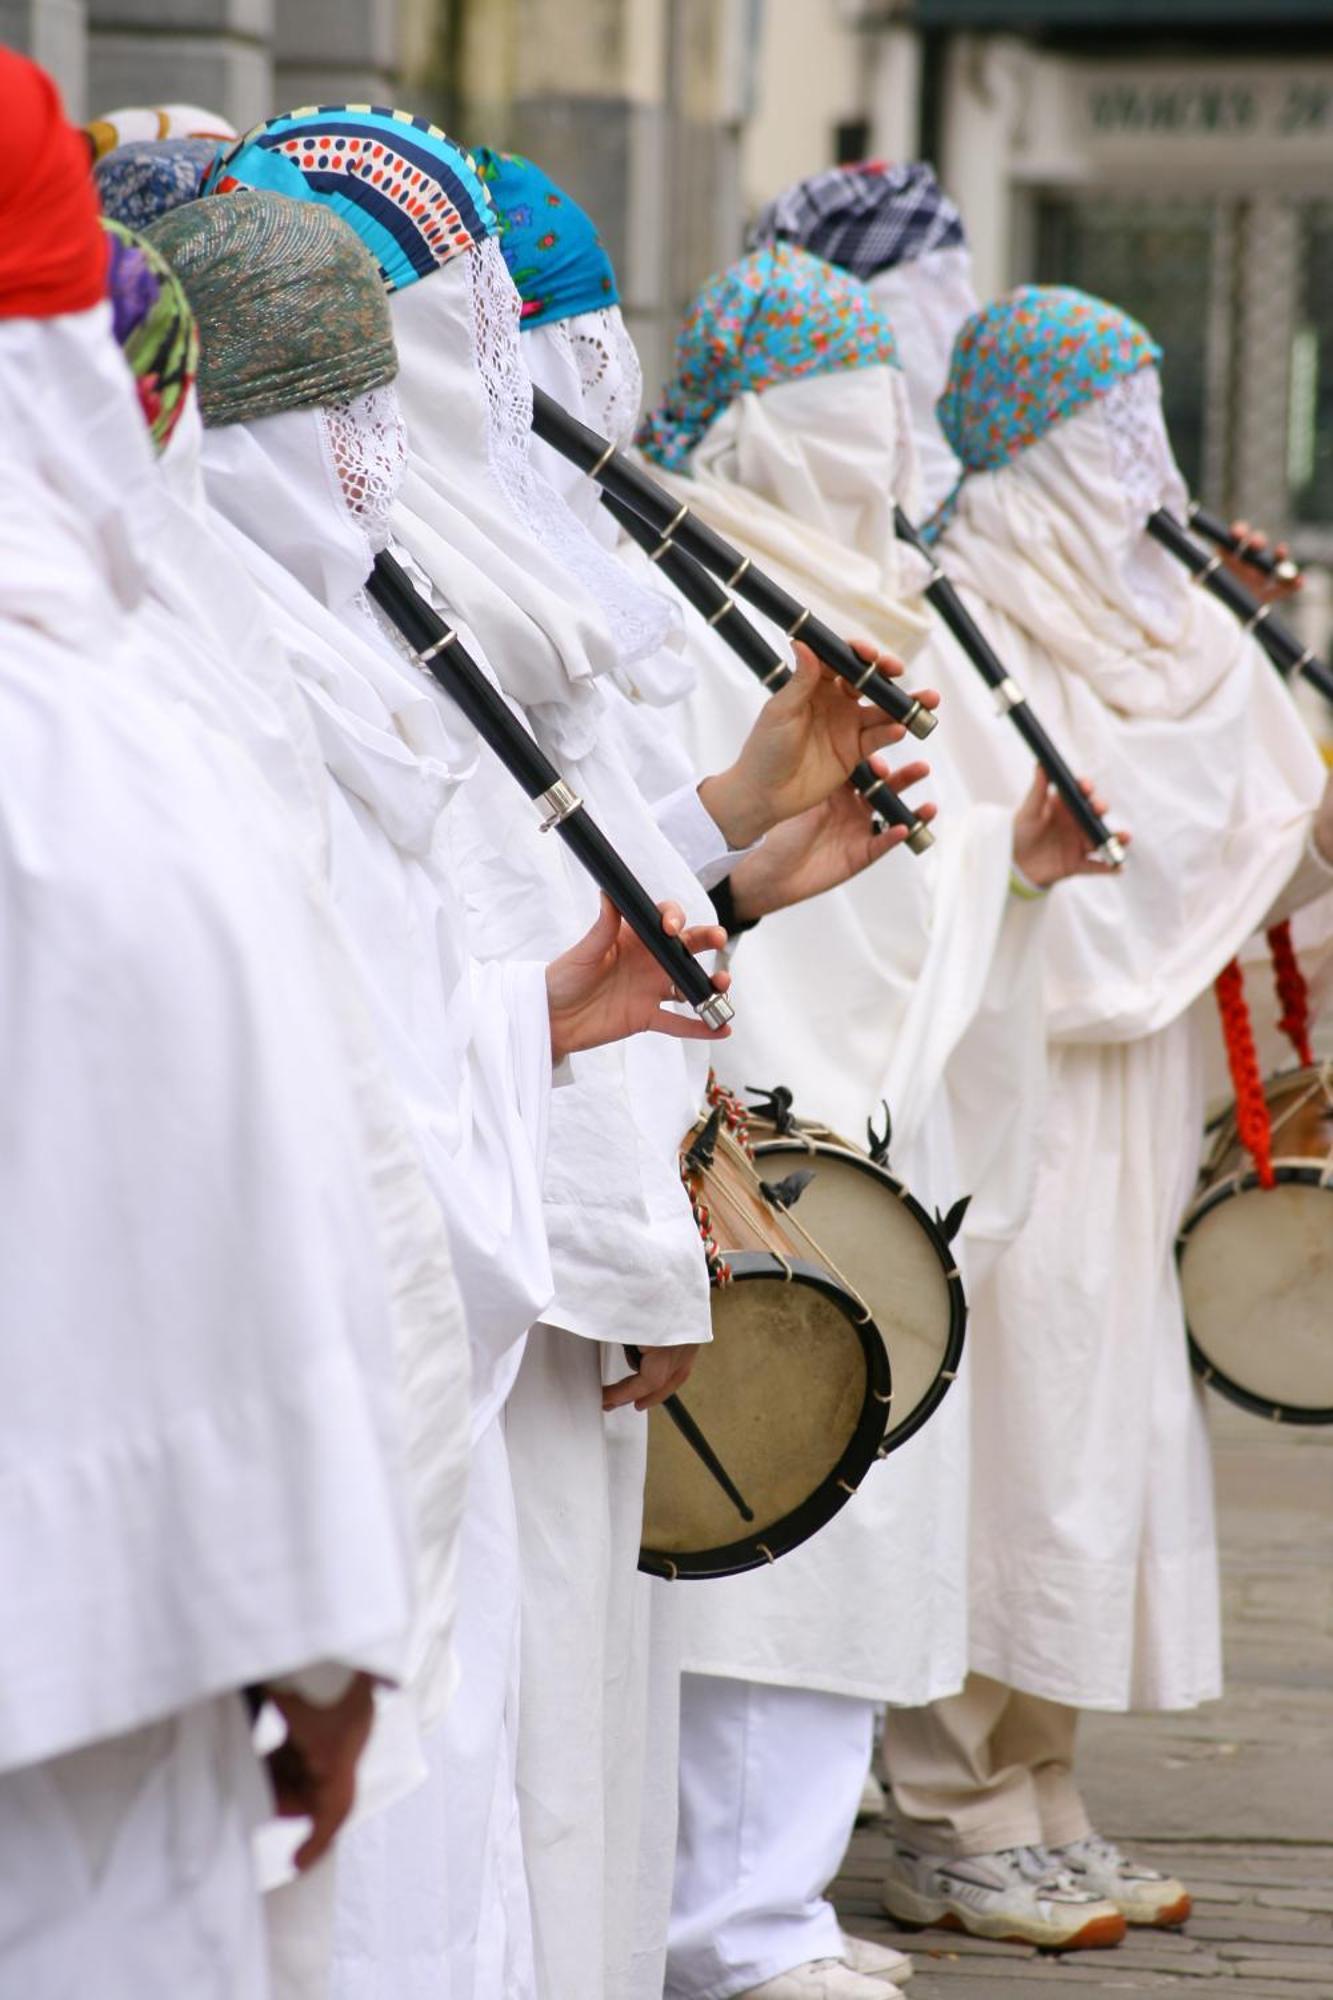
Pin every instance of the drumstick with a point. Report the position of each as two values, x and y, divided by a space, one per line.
699 1445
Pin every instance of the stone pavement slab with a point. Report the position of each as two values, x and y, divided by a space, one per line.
1235 1798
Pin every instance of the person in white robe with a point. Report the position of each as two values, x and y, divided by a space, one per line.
306 493
1094 1564
893 226
204 1486
554 615
786 427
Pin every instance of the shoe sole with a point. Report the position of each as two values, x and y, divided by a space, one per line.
916 1913
1168 1919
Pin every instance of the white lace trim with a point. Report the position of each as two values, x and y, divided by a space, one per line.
366 440
640 622
609 371
1143 464
1140 449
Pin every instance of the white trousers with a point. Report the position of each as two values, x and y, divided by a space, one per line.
126 1869
588 1732
770 1779
985 1769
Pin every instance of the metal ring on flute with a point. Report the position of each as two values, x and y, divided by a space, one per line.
1008 695
1202 575
667 533
1261 612
716 617
558 802
738 572
774 674
595 471
792 630
440 646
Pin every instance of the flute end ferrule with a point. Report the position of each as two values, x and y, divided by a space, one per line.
920 837
920 721
1287 571
1112 853
716 1011
558 803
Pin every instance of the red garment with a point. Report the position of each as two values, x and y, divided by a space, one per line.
53 253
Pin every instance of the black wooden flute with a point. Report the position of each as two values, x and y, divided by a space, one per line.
441 653
677 524
1010 698
1276 637
1214 529
720 610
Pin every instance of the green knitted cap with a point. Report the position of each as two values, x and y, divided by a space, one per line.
291 310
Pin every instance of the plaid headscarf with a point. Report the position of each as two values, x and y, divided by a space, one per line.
864 218
1027 361
152 320
139 182
555 256
410 193
772 317
291 311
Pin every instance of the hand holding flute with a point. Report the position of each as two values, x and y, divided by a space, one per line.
806 743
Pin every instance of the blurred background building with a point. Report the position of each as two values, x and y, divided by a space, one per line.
1176 155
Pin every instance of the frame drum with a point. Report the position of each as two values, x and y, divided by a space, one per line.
1256 1264
879 1239
791 1395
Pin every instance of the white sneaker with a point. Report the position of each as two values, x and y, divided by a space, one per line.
876 1961
873 1804
821 1979
1142 1895
1019 1895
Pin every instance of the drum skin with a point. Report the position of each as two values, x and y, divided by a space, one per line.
1256 1264
882 1242
793 1395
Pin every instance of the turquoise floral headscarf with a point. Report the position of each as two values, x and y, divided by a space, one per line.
410 193
775 316
555 256
1028 361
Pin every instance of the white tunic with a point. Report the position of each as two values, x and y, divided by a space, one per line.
1094 1565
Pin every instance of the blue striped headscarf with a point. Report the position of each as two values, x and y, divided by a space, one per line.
410 193
555 256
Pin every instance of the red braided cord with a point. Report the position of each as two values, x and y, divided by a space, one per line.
1292 992
1252 1119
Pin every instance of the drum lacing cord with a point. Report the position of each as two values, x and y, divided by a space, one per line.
735 1114
719 1270
1253 1122
1292 992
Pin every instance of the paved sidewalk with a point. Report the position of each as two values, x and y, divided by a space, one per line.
1236 1798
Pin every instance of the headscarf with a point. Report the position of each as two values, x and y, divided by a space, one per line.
154 121
555 255
864 218
894 227
408 191
290 301
772 317
1027 361
53 255
521 571
147 178
152 320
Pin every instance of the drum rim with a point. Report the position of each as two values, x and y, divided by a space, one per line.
766 1546
947 1374
1301 1173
